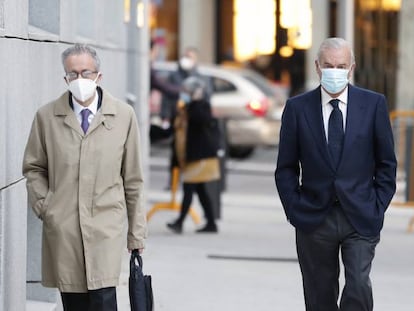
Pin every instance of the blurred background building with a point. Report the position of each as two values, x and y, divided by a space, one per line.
278 38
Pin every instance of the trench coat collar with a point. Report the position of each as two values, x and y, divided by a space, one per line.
108 108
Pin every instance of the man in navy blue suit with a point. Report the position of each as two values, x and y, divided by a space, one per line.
335 176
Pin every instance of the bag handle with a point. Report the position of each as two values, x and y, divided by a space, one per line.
136 257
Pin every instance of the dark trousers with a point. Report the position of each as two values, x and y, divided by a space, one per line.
318 254
205 200
103 299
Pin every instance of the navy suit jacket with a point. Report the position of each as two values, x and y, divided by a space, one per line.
364 182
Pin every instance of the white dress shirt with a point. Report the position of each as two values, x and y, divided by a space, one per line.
327 108
93 107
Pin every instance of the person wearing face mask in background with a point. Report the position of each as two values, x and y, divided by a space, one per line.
195 147
169 92
335 176
84 180
187 67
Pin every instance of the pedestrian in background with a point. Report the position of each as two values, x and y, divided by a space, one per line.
84 181
336 177
172 91
169 92
187 67
196 146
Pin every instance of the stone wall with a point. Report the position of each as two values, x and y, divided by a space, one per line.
33 33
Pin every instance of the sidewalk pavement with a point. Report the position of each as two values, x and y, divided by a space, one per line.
251 263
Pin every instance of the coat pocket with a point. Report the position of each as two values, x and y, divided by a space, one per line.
45 204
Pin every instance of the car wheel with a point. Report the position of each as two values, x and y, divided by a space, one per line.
240 152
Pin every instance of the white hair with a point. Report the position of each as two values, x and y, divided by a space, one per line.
335 43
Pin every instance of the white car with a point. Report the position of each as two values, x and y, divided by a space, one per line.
250 105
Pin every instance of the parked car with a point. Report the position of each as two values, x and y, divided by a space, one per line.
250 106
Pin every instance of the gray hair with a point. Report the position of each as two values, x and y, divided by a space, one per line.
335 43
81 49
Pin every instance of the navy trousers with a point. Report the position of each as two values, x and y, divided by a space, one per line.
318 254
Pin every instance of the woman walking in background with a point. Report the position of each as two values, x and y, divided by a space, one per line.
196 145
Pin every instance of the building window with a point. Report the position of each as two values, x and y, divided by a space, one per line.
254 24
376 47
44 14
163 24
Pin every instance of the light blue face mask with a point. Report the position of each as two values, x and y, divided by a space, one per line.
334 80
185 97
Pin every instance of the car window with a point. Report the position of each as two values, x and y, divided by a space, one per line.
260 82
222 86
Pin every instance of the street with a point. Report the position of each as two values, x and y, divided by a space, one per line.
251 263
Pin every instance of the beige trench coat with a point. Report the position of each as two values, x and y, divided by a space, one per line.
87 189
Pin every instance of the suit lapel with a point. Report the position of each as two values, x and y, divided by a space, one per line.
355 114
313 115
354 117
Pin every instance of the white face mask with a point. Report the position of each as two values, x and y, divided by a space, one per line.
82 89
334 80
187 63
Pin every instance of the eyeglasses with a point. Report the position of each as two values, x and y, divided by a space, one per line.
86 74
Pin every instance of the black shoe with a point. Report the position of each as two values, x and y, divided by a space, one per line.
208 229
175 227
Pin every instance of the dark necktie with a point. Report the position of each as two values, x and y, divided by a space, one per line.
335 132
85 122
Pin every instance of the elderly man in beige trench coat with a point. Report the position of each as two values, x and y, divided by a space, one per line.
84 181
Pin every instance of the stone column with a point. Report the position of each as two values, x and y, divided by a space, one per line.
345 20
320 30
196 27
405 68
138 61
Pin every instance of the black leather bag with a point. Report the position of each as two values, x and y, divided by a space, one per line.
140 286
